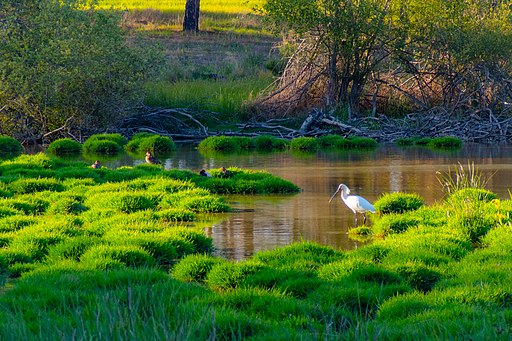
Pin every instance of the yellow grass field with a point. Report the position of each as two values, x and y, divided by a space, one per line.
207 6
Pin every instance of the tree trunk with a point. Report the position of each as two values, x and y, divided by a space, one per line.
191 19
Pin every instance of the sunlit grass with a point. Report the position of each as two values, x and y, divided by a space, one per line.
223 97
215 6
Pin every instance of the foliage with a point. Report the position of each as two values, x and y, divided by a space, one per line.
347 51
64 79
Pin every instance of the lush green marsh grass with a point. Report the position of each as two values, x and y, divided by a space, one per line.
225 97
143 142
304 144
219 6
104 144
64 146
446 276
445 142
398 202
226 144
10 147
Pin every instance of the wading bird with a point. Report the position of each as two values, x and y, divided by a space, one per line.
151 159
356 203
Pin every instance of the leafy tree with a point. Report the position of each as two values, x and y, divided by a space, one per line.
452 54
344 41
65 69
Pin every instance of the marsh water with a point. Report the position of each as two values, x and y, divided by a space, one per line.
265 222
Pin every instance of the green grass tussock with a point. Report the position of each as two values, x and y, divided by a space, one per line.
398 202
63 147
9 147
143 142
129 250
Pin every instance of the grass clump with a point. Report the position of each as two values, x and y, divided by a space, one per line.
460 178
63 147
270 143
10 146
195 267
398 202
445 142
304 144
219 144
104 144
142 142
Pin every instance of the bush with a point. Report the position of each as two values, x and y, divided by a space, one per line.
398 202
65 146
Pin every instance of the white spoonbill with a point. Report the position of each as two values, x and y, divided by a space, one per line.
356 203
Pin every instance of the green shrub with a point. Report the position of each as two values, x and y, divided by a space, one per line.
195 268
64 146
398 202
445 142
10 146
131 202
304 144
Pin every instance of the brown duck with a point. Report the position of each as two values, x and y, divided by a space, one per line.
151 159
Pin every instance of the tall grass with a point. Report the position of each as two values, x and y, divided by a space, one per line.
226 97
215 6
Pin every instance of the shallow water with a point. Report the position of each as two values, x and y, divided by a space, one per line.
265 222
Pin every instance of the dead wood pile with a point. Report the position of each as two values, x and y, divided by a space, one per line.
185 124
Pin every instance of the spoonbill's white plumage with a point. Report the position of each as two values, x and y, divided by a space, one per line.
356 203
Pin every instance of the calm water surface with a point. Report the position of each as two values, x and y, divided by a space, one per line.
266 222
